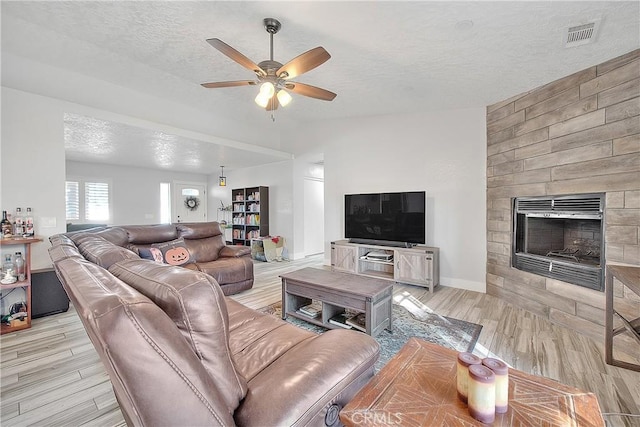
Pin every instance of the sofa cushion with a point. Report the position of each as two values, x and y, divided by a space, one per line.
204 239
194 301
157 379
258 339
228 270
116 235
100 251
174 252
60 252
147 234
198 230
61 239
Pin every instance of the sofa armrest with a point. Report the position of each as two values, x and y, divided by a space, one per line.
234 251
299 387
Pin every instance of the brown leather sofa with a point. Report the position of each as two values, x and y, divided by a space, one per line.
178 352
231 266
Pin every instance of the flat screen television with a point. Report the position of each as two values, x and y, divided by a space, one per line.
396 219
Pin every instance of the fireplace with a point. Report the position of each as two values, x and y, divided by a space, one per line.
561 237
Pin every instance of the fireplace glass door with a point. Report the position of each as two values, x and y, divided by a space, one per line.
560 237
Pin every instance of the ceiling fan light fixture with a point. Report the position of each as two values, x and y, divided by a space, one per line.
267 89
283 97
272 75
262 100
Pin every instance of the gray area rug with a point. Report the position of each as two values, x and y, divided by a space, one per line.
410 319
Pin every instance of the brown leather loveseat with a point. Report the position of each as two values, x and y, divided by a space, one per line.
178 352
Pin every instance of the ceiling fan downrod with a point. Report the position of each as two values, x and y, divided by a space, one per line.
272 26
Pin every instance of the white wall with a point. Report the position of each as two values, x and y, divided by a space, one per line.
32 163
278 177
442 153
135 192
32 146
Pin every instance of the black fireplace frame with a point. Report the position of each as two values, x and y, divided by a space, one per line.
575 206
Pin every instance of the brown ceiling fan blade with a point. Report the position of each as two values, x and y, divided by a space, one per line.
214 85
303 63
236 56
273 104
310 91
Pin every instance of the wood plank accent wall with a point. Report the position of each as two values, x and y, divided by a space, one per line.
579 134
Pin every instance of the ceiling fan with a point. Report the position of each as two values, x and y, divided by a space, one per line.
274 76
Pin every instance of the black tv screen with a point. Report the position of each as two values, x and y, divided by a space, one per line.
394 217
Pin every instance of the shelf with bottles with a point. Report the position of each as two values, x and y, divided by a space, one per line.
17 225
15 283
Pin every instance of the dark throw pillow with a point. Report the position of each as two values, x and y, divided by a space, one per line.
154 254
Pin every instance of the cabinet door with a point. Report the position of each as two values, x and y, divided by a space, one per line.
414 267
343 258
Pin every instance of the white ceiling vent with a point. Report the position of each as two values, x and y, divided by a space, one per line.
577 35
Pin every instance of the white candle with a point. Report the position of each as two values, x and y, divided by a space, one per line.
482 393
462 373
501 372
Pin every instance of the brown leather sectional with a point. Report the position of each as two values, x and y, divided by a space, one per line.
178 352
231 266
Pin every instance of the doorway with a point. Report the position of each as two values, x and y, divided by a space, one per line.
313 216
189 202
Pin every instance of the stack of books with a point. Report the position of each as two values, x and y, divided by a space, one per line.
358 322
340 319
312 310
350 321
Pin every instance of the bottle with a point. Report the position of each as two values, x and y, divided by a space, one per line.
18 226
19 266
6 226
7 267
28 224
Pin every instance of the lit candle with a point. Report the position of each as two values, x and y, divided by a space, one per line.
462 373
482 393
501 371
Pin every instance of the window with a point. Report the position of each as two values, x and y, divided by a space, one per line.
88 200
165 203
72 198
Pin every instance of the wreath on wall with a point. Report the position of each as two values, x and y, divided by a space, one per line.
191 203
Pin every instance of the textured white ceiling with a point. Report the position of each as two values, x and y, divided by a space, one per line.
387 57
89 139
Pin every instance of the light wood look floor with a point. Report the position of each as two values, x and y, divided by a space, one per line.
51 375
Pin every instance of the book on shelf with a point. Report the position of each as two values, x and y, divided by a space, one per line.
311 310
358 321
340 319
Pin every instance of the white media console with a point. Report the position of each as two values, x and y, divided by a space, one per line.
419 265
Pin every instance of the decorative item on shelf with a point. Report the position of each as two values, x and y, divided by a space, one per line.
17 314
29 230
222 180
7 227
192 203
